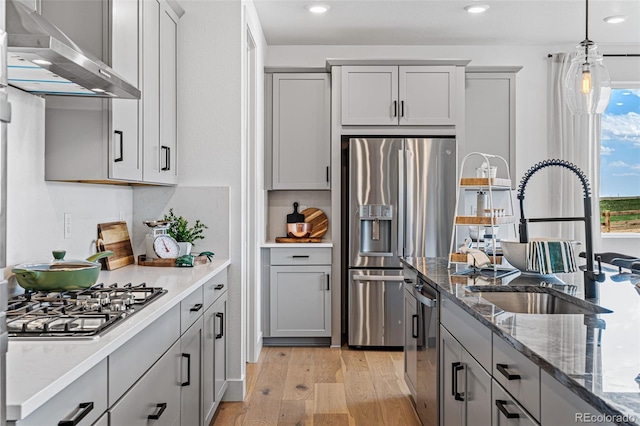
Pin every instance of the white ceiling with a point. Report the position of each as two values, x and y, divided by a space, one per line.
438 22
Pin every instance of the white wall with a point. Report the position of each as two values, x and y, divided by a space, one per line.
35 208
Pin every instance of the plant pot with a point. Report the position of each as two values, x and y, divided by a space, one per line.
185 248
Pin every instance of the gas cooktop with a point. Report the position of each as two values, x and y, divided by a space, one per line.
80 314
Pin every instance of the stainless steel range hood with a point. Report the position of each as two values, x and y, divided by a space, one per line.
42 60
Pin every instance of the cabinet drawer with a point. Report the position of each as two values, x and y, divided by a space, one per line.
190 309
214 288
128 363
90 388
301 256
507 410
475 337
518 375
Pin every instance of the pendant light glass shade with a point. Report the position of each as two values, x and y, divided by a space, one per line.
587 83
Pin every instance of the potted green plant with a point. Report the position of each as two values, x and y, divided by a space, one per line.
184 234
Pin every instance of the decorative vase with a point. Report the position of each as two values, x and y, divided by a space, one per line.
185 248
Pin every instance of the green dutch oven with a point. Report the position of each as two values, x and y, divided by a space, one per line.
60 274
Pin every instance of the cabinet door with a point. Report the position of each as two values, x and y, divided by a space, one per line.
507 411
451 376
191 350
490 118
301 131
160 93
300 301
427 95
477 392
125 154
156 396
214 357
370 95
410 342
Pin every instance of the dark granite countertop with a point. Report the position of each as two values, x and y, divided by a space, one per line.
607 376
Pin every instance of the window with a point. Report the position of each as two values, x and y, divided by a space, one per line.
620 162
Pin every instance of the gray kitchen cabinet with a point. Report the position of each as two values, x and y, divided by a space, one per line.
560 407
465 387
160 91
103 420
507 411
85 400
156 396
410 341
398 95
300 301
300 131
214 357
490 115
191 346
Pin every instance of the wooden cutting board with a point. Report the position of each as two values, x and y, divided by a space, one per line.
114 236
318 220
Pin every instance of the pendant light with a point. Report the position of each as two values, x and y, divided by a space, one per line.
587 84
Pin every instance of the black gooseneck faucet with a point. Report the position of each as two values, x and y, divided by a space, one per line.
590 275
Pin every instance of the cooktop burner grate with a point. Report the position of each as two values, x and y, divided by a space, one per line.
76 314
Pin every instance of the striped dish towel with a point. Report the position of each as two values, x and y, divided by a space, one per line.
548 257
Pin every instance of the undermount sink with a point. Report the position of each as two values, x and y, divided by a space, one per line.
535 300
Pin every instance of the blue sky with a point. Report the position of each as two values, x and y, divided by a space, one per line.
620 152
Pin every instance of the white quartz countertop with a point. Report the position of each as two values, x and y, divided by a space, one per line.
272 244
38 369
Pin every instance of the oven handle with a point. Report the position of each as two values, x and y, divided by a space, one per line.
378 278
83 409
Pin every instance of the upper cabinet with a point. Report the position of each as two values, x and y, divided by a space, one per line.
398 95
300 130
119 141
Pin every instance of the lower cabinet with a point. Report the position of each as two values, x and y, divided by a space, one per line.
465 385
214 358
156 396
191 346
507 411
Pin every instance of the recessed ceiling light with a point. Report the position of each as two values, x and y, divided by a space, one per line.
317 8
476 8
41 62
97 90
615 19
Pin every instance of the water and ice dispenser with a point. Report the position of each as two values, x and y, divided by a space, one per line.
375 229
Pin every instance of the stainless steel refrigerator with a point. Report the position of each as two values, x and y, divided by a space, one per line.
401 196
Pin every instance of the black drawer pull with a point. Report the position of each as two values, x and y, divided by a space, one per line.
196 307
501 406
300 256
219 287
84 409
120 136
503 369
221 316
414 326
455 367
162 406
188 382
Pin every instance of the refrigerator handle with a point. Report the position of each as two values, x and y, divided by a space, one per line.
401 196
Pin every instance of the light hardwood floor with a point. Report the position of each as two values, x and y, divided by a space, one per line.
323 386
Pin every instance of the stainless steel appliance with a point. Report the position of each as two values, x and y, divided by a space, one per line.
80 314
421 349
5 117
401 196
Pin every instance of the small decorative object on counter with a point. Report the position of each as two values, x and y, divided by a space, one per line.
189 260
481 202
184 234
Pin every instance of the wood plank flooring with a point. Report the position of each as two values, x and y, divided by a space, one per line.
322 386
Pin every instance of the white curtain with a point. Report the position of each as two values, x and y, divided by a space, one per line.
574 138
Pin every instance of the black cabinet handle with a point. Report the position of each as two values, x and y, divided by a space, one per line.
188 382
327 174
83 409
414 326
401 108
300 256
455 367
162 406
502 368
501 406
167 158
221 316
196 307
120 136
219 287
328 282
395 108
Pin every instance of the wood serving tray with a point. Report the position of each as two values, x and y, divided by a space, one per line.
298 240
143 261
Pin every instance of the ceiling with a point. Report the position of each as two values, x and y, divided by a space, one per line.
438 22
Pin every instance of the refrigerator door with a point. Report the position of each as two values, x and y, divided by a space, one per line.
376 308
429 197
374 187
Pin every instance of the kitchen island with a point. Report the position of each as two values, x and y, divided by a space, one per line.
593 358
40 369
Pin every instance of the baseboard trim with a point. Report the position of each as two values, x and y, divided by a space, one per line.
235 390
